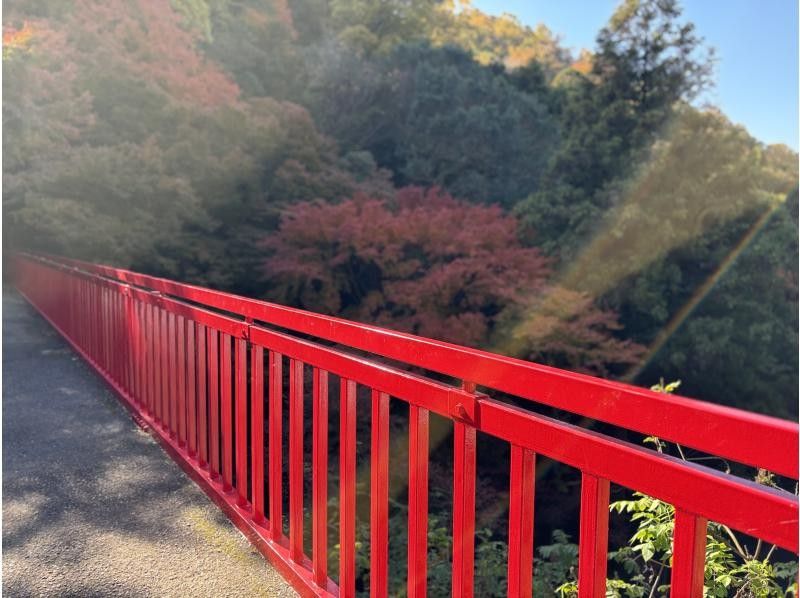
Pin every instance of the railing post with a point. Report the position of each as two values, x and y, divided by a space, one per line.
520 522
688 555
379 496
240 419
465 438
257 430
202 396
347 489
275 445
418 442
296 460
320 477
593 541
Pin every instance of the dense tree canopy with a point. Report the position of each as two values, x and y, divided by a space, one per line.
176 137
436 117
425 166
430 264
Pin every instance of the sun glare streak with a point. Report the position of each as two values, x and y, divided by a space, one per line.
682 192
700 293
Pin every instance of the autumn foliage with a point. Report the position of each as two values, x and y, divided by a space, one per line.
430 264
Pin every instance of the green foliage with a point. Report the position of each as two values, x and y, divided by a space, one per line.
254 40
646 62
641 568
553 564
376 26
405 107
498 39
176 136
197 14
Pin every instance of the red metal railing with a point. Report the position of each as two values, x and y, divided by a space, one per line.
185 360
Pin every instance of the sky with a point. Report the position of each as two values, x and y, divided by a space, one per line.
756 44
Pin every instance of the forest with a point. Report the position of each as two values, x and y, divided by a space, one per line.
426 167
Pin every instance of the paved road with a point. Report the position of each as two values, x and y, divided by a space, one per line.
91 505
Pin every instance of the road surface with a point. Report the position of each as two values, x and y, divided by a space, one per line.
91 504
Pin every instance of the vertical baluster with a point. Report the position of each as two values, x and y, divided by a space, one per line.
119 348
520 522
202 397
109 332
257 431
347 489
191 387
275 444
104 335
115 344
85 310
80 330
144 355
320 477
379 496
213 402
152 363
296 460
164 369
108 335
418 439
133 335
125 340
593 542
98 325
95 322
181 372
115 336
149 367
157 361
173 375
226 411
241 420
688 555
464 437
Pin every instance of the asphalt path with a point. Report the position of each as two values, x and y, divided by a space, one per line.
91 504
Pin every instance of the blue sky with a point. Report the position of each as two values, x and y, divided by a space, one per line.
755 40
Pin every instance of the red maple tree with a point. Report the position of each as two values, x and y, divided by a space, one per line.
427 263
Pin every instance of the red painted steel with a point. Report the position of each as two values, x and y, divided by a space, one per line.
213 402
347 488
748 438
418 451
379 496
181 366
241 420
226 410
320 476
165 372
520 522
593 542
257 431
689 555
296 459
191 389
464 441
275 442
202 397
171 375
165 348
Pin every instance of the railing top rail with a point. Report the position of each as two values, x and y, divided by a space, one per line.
747 438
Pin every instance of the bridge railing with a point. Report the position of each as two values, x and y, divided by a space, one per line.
206 371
